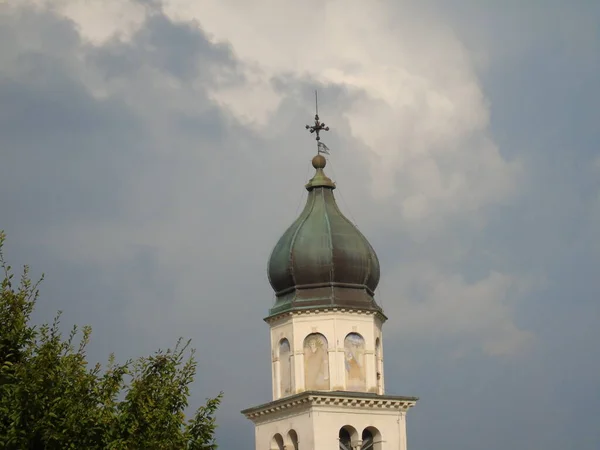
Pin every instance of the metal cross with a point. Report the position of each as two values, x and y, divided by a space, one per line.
318 126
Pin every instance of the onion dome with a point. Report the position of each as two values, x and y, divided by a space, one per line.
323 260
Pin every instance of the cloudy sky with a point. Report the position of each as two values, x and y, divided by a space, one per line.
152 152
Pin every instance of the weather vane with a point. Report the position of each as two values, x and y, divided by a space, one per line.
317 128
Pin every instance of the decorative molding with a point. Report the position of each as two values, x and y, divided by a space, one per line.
271 320
301 287
340 399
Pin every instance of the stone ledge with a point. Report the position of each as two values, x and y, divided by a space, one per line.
360 400
321 310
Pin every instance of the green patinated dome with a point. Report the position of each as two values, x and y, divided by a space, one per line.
323 260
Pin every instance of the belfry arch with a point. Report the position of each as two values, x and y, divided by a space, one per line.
371 439
292 440
277 442
347 438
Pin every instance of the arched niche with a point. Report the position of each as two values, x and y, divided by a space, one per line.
371 439
285 367
347 437
277 442
354 362
292 440
316 363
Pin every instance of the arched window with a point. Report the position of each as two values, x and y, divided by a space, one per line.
371 439
367 440
277 442
292 440
285 368
354 349
316 363
346 437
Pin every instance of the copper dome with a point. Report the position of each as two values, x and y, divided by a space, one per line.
323 260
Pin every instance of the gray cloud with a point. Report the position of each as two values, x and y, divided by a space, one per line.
181 50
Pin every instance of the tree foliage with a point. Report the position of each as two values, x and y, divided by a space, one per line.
51 399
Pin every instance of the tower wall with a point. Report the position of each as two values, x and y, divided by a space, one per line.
284 423
388 427
344 349
315 422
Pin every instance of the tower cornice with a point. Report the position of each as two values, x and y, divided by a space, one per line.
273 318
353 400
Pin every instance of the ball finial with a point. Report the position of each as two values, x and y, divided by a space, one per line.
319 161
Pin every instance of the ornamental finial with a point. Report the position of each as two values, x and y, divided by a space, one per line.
318 126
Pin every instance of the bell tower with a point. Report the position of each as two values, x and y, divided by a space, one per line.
326 335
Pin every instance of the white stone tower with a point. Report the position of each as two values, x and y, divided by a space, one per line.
326 336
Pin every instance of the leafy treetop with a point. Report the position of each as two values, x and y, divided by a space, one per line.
50 398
